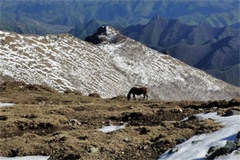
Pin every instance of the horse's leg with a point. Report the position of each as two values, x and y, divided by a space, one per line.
145 96
134 96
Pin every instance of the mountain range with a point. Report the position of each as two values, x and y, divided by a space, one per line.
49 17
110 68
214 50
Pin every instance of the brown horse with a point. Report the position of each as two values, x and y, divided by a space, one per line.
138 91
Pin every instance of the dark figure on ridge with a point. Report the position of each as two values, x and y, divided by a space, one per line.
138 91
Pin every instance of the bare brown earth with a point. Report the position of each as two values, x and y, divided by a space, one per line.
64 125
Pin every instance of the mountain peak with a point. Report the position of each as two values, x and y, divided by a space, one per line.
157 18
105 34
160 19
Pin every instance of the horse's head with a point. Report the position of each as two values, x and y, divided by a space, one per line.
129 96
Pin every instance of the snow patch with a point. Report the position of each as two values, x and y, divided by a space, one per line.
111 128
26 158
6 104
198 150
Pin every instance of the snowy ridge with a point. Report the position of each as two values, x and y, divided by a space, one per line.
110 69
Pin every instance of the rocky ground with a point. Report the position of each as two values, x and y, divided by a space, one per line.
65 125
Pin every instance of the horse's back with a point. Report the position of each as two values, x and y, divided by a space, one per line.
139 91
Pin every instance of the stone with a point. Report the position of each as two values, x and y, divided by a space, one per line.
230 146
212 152
176 109
72 156
74 122
216 151
234 102
94 149
173 150
143 130
199 118
3 118
232 112
180 140
126 140
197 141
237 143
212 149
132 116
238 135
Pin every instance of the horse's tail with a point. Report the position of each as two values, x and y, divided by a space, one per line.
129 95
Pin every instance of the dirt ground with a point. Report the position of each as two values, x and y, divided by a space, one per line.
65 125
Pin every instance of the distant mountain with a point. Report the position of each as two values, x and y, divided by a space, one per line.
52 16
82 30
236 25
23 24
214 50
109 68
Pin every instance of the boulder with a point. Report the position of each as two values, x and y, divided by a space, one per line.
216 151
199 118
231 112
237 141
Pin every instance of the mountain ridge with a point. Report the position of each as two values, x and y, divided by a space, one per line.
110 68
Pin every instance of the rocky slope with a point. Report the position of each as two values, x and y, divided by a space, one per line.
109 68
67 125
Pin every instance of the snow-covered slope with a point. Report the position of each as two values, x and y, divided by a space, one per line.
110 69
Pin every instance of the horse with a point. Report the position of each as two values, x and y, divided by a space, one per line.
138 91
